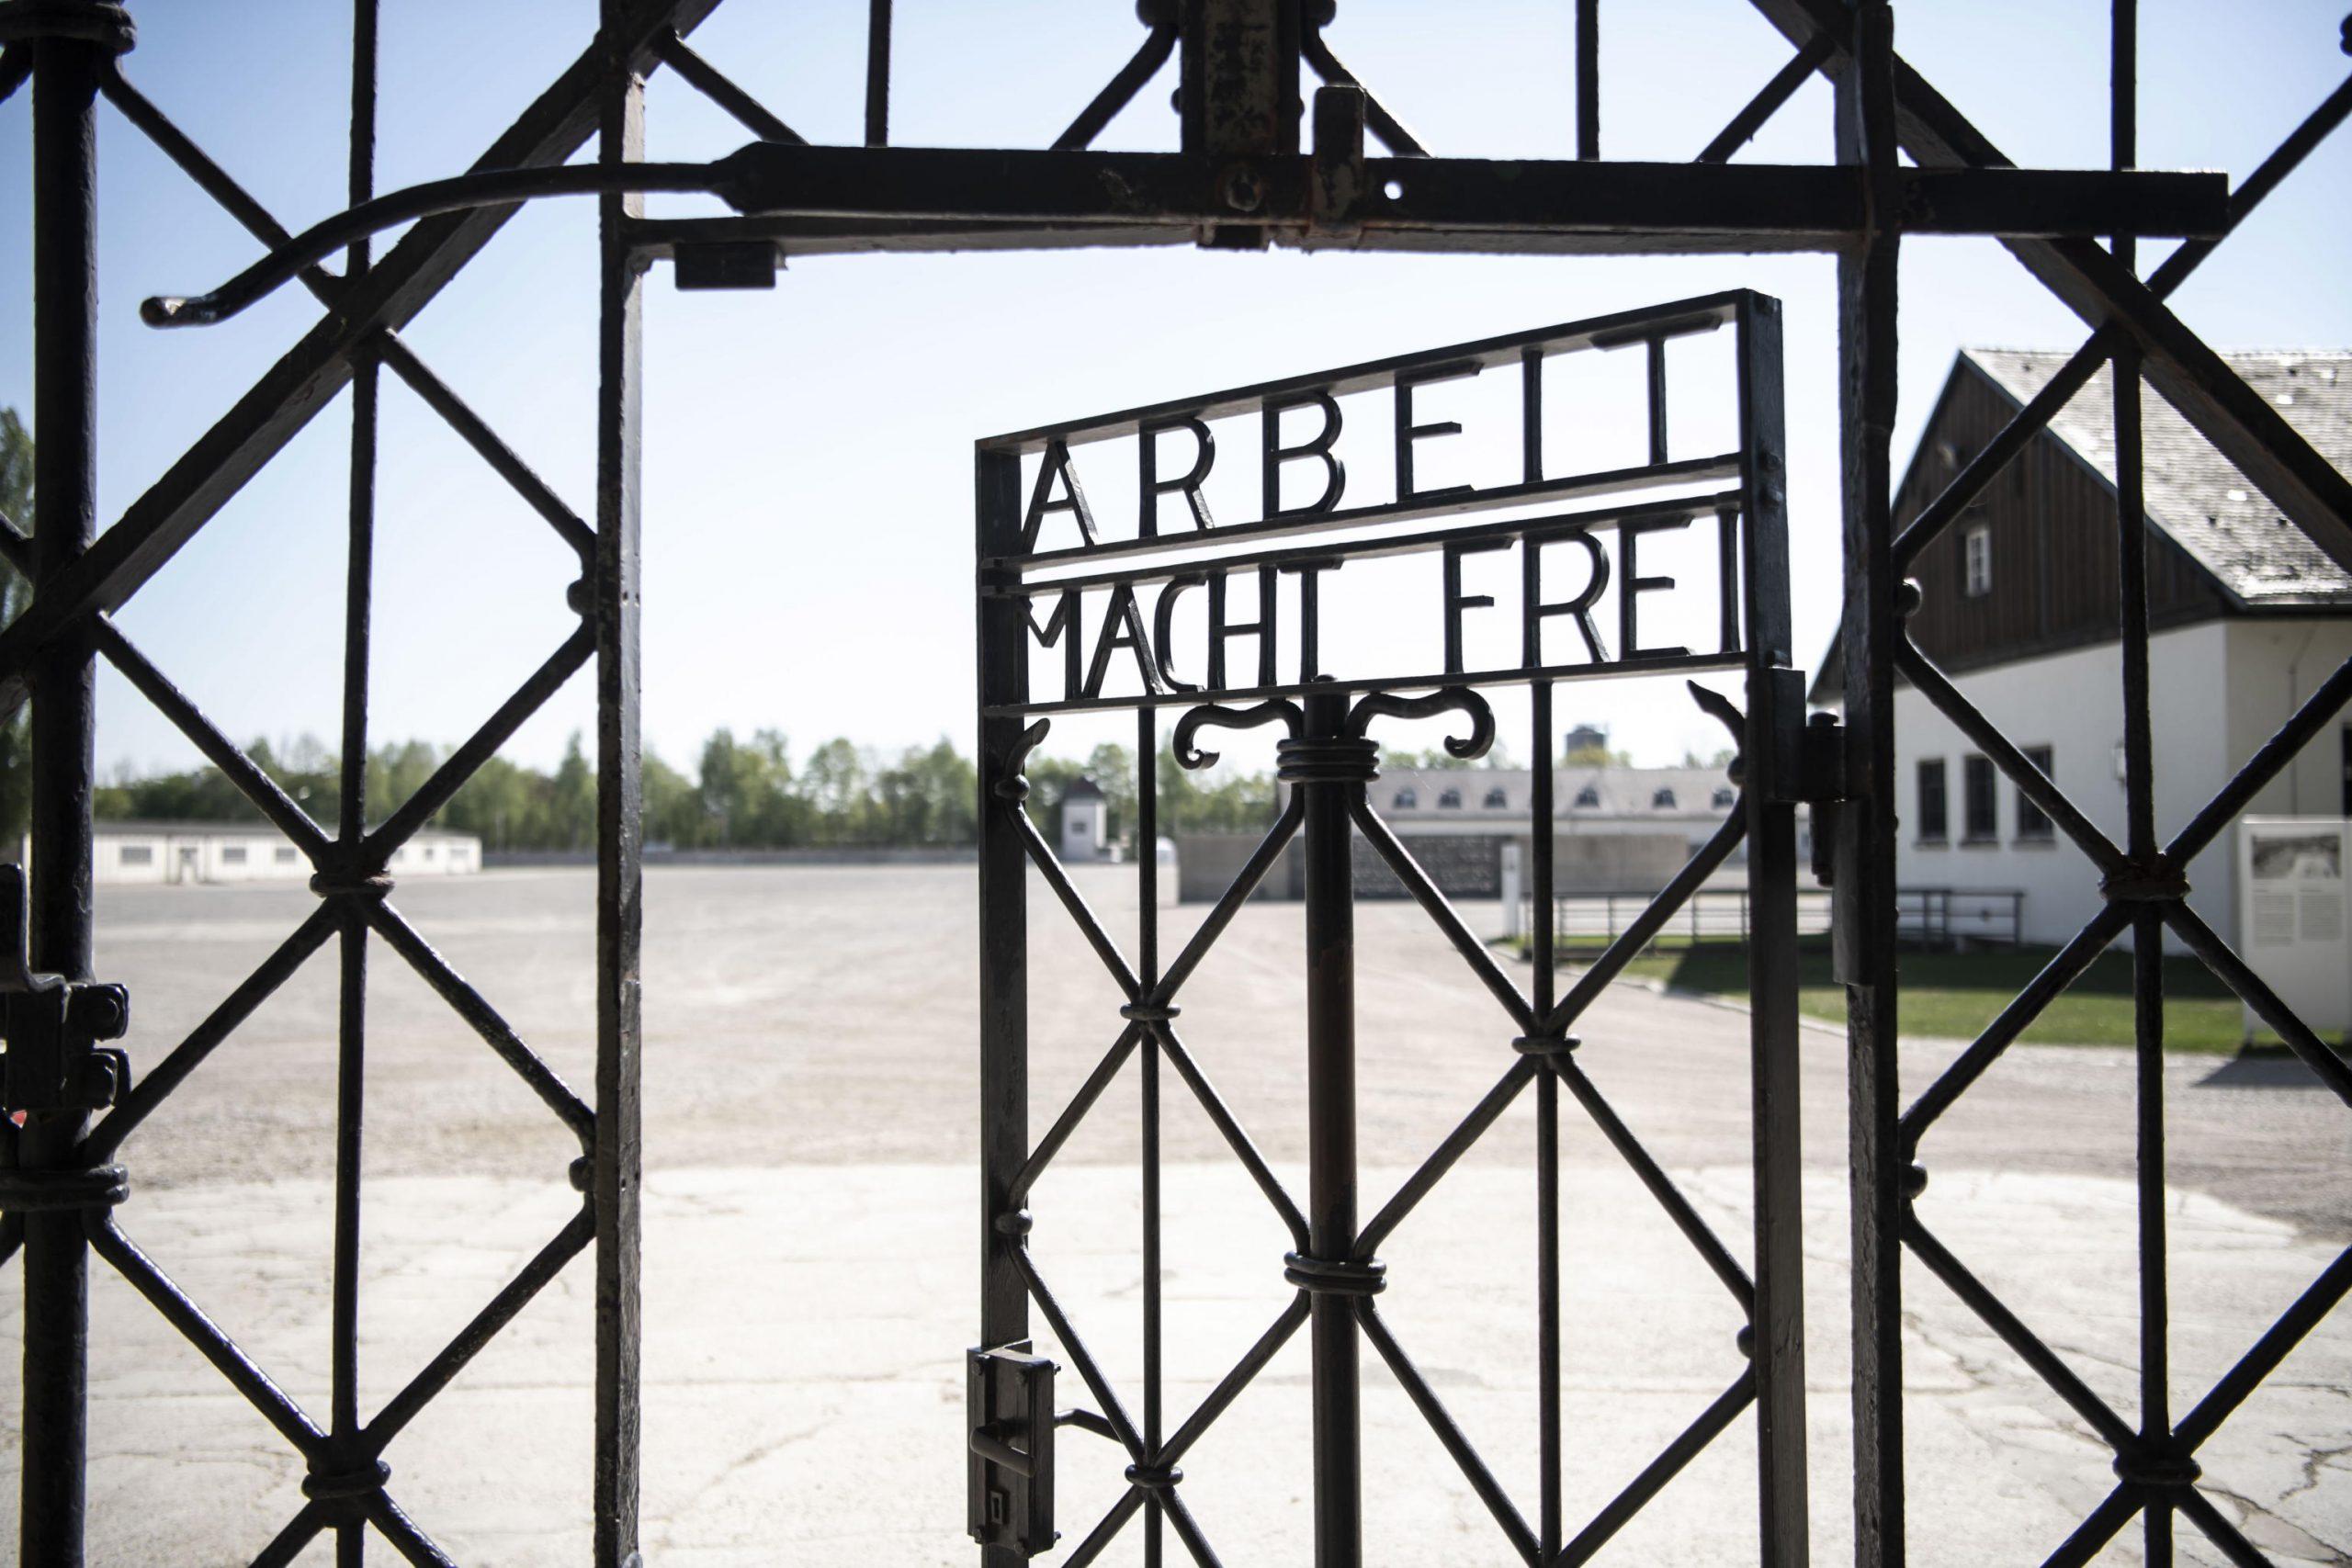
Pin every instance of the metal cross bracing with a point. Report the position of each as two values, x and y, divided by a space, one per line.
63 1183
1243 178
2144 883
1327 761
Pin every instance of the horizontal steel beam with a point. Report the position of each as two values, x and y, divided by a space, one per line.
997 196
1454 202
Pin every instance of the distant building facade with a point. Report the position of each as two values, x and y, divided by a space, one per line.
1615 829
188 852
1086 822
2020 606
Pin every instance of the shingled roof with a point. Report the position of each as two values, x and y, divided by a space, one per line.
2196 495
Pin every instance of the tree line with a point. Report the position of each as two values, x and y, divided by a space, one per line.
750 793
745 793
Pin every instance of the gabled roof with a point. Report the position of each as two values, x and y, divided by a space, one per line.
1082 789
2196 495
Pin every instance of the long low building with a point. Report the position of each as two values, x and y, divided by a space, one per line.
249 851
1615 829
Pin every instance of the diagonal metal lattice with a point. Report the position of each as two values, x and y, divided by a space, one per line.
1245 178
346 1486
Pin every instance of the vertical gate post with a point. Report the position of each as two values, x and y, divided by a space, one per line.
613 601
70 46
1862 891
1775 723
1332 770
1004 914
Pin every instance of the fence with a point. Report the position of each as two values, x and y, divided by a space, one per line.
1925 917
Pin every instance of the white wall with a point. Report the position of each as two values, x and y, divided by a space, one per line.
2221 690
2072 702
2274 665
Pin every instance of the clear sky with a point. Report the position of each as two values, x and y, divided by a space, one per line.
809 452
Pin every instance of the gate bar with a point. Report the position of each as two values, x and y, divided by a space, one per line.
1004 669
1862 891
616 1166
1775 714
66 71
1332 1131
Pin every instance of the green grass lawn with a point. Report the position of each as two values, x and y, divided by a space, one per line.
1957 994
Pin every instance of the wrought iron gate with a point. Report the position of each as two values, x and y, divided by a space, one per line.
1326 757
1244 177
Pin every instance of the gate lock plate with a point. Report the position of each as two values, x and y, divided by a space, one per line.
1012 1449
52 1027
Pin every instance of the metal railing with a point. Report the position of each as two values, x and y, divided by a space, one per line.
1925 917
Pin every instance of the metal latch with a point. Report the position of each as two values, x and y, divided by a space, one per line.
52 1026
1012 1449
1821 784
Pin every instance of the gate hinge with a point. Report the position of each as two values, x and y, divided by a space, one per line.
1010 1442
52 1026
1821 761
1813 774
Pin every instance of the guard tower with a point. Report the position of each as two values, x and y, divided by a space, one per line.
1084 824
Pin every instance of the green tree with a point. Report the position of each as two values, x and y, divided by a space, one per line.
1218 799
672 806
1497 756
571 800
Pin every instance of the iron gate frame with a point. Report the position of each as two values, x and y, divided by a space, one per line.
1241 181
1328 761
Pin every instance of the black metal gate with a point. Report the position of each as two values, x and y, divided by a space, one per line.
1327 757
1244 177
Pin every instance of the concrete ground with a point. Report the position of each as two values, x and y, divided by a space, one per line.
810 1129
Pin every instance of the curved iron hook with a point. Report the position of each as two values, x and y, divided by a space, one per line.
1014 785
486 187
1715 706
1450 699
1189 756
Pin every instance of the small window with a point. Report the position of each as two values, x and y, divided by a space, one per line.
1722 799
1497 800
1587 799
1976 560
2033 826
428 851
1449 800
282 854
1407 800
1981 822
135 854
1662 800
1935 809
233 854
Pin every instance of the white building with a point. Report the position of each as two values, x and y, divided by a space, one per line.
1689 802
250 852
2019 607
1085 822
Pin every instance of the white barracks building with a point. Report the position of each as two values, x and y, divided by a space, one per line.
2019 607
189 853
